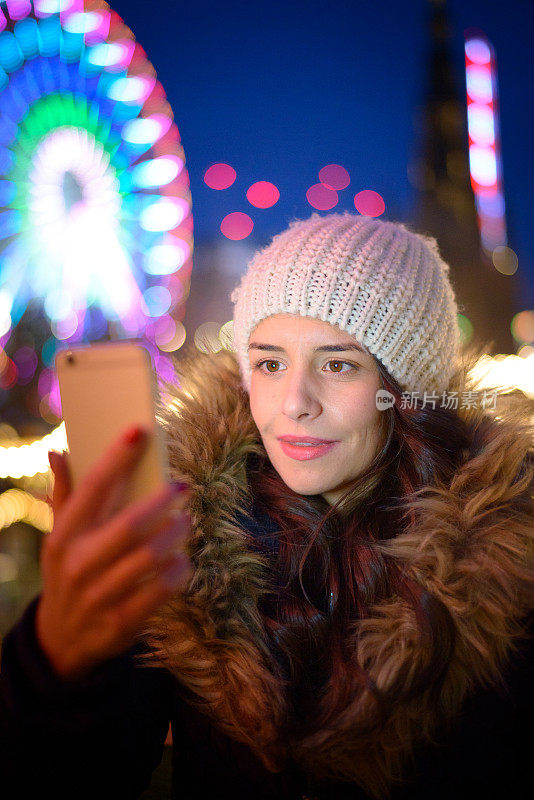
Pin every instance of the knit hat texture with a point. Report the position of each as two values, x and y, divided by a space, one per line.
376 280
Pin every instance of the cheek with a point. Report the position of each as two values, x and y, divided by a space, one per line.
258 406
360 415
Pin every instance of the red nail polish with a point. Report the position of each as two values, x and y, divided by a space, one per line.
134 435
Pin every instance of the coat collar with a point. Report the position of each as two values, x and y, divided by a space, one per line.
471 545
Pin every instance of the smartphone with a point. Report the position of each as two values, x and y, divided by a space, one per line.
106 388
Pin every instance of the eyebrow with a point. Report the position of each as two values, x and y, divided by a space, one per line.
326 348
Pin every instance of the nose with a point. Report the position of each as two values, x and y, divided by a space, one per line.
299 396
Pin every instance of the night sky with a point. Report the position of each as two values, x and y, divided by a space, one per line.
279 89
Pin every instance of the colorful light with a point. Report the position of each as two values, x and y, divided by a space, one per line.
505 372
505 260
477 50
18 9
46 7
83 22
95 207
164 259
484 148
237 225
333 176
369 203
322 198
146 131
131 90
220 176
162 215
157 172
206 337
523 326
263 194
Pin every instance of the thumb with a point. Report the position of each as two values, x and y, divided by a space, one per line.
62 482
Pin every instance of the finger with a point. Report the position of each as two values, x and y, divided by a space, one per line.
84 504
142 564
174 530
62 480
139 522
116 499
128 618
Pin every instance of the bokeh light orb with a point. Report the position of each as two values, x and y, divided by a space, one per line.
226 335
207 337
505 260
26 361
466 328
477 50
526 351
220 176
263 194
369 203
321 197
479 84
522 326
177 340
334 176
483 165
237 225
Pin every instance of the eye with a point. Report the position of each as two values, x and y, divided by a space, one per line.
269 361
338 363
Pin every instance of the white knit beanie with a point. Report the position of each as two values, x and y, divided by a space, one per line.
377 281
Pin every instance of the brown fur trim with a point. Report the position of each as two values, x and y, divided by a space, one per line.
469 544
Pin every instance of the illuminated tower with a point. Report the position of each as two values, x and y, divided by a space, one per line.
446 203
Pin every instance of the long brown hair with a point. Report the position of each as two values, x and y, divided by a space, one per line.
331 573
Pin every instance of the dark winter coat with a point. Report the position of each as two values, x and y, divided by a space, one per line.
470 544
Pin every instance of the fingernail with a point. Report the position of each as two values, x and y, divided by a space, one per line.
134 435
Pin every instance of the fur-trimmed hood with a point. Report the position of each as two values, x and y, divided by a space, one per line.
470 545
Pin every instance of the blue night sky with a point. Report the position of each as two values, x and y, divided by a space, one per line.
280 89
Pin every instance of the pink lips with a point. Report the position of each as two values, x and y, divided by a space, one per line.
310 439
302 452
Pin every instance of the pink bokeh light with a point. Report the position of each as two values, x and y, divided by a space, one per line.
26 361
45 382
333 176
220 176
369 203
263 194
18 9
237 225
100 33
54 399
321 198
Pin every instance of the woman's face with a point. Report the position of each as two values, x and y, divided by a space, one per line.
305 384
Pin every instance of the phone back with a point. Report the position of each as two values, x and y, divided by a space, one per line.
105 389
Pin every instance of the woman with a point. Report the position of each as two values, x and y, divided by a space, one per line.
349 618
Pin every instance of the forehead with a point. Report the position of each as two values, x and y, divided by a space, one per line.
289 330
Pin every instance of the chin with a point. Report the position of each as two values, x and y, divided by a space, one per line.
304 486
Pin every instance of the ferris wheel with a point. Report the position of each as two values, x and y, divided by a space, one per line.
95 205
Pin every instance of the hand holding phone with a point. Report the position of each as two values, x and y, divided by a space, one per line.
103 579
106 565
